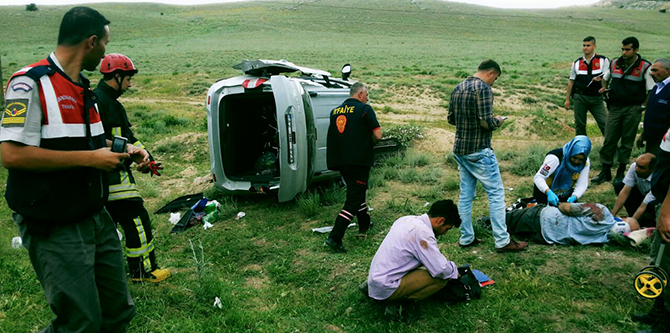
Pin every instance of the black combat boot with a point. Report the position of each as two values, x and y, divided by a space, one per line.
620 173
604 176
653 316
659 317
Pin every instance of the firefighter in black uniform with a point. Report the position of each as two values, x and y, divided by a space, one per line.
352 133
125 203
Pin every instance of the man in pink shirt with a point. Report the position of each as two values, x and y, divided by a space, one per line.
408 264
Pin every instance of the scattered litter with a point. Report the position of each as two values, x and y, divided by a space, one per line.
217 303
175 217
207 225
510 188
370 209
119 234
426 204
17 242
329 228
240 215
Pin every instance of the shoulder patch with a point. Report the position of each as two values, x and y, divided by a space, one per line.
15 113
22 86
665 143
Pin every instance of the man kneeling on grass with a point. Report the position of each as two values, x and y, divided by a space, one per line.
408 265
567 224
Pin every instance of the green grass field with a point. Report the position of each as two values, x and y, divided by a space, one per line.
270 271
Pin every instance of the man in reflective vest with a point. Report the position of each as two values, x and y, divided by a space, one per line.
584 85
53 146
125 203
629 82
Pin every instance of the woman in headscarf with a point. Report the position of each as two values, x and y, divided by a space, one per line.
564 175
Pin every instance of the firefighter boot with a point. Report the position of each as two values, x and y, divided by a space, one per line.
155 276
604 176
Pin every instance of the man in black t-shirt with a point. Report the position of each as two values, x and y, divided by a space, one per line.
352 133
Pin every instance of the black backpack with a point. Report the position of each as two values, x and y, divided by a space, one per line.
464 289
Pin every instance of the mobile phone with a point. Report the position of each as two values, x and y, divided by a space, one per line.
119 144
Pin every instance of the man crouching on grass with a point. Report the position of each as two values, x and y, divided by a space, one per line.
408 265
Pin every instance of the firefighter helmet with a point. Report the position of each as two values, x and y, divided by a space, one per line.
117 62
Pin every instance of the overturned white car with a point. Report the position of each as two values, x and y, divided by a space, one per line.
267 131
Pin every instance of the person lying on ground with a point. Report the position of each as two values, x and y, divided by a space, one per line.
567 224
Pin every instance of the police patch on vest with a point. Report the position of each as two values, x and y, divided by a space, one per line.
665 144
15 113
341 123
22 86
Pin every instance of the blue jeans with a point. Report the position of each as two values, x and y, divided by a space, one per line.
481 166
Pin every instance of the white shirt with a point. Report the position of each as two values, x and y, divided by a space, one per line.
551 163
662 84
644 185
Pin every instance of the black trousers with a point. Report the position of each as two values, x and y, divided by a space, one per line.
525 223
134 219
647 220
356 177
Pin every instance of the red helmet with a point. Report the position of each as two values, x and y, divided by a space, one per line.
117 62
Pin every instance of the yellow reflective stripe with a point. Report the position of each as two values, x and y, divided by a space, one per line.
145 248
138 252
146 263
116 131
122 187
139 144
123 195
140 230
123 177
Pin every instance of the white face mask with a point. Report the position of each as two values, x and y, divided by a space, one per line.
620 227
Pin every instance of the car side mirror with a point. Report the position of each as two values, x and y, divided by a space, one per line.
346 71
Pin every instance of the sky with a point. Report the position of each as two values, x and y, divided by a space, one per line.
491 3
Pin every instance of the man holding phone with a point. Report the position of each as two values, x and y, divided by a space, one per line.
471 111
125 203
53 146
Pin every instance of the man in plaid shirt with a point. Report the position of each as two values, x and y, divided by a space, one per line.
471 111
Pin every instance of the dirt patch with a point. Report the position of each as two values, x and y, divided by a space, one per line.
252 267
437 140
183 185
257 282
333 328
411 103
339 270
189 172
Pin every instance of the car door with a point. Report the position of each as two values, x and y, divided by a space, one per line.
293 145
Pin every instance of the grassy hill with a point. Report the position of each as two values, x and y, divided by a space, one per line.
271 272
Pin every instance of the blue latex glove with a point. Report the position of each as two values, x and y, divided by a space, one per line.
552 198
572 199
